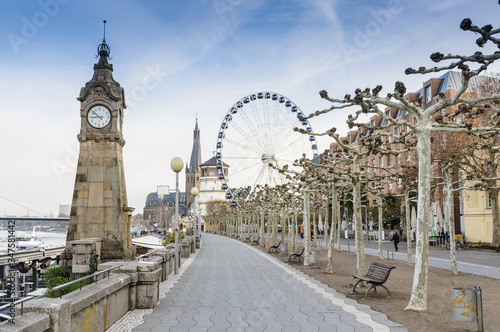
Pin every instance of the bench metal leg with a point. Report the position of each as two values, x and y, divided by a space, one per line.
375 288
355 285
292 258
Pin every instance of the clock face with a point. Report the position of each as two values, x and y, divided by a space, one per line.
99 116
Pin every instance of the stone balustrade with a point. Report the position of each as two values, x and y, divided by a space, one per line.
96 307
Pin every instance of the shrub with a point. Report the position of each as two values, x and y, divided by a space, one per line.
60 275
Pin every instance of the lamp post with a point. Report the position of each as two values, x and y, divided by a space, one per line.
195 192
177 165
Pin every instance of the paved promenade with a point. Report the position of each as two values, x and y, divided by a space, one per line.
230 286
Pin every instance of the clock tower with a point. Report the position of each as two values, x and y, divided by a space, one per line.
99 208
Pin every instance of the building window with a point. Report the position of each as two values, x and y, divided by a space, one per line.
399 182
428 93
390 185
490 203
381 161
389 162
396 131
388 113
374 164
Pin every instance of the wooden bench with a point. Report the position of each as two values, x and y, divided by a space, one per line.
275 247
377 275
256 240
297 254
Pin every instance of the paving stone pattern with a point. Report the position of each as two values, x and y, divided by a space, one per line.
231 286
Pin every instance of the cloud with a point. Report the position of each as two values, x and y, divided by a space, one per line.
446 5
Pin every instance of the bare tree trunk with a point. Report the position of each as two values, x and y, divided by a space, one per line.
283 223
331 242
275 225
418 298
495 216
495 213
325 229
268 229
242 227
315 230
294 229
356 199
408 228
339 225
450 217
262 222
380 229
307 229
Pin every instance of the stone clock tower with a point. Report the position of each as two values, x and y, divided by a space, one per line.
99 208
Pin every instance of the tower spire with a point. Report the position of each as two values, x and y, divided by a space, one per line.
103 49
195 161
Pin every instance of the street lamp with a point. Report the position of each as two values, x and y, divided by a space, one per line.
177 165
195 192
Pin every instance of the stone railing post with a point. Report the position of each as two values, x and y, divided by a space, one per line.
82 251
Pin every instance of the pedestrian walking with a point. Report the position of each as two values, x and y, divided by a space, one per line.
395 238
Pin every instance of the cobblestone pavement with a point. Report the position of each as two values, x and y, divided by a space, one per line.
231 286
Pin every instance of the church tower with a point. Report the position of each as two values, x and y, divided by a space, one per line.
193 171
99 208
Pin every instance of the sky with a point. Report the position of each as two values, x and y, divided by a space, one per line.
178 60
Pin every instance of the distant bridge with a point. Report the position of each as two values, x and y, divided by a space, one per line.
33 219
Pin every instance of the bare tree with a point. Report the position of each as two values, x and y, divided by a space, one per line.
428 121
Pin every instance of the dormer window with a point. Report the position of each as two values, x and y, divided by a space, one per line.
428 96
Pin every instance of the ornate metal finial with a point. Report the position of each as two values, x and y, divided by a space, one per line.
103 49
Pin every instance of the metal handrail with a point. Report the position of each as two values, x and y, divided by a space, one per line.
149 253
21 302
80 280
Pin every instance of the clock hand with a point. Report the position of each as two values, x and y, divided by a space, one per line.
100 117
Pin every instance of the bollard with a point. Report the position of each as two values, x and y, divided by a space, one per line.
284 248
479 306
314 257
464 304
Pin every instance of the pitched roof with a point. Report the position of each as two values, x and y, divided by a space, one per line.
212 162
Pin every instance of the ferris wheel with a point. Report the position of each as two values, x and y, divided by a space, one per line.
258 131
